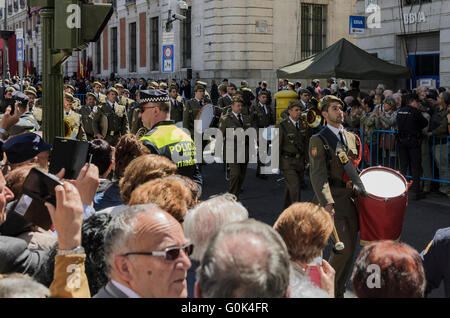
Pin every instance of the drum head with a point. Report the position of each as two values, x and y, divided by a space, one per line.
383 183
205 117
268 133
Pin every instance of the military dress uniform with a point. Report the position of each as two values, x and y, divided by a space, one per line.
176 110
114 116
101 97
87 119
262 116
74 120
327 179
293 150
190 113
225 103
237 170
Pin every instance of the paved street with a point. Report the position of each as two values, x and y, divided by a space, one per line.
264 199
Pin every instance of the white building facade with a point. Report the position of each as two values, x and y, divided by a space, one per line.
414 33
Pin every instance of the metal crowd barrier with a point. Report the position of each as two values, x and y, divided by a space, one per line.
435 154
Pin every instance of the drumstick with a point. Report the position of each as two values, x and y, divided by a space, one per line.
338 246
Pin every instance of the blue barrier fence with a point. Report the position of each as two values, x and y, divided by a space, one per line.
435 154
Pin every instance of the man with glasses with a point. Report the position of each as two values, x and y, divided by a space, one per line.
164 138
146 254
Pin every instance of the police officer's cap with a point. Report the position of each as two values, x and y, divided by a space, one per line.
327 100
112 89
92 95
412 97
153 96
24 147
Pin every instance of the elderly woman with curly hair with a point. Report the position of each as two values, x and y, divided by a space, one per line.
306 228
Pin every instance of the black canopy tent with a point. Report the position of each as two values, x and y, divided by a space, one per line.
344 60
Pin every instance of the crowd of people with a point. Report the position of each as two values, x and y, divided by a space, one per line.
132 224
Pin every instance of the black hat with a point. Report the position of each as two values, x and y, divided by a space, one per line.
24 147
153 96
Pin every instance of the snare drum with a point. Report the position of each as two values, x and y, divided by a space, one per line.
204 118
382 212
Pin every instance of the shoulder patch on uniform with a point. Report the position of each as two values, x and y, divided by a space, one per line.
314 151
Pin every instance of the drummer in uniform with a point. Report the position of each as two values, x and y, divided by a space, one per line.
97 92
235 119
71 90
192 108
87 113
293 150
110 120
330 189
73 119
262 116
176 106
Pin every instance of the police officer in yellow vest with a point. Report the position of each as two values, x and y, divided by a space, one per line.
164 137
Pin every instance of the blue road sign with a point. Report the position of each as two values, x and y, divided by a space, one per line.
357 24
19 50
167 58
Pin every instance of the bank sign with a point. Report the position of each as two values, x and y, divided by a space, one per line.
357 24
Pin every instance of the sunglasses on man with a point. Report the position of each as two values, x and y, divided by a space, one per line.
170 254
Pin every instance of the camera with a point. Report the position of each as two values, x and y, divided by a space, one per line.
178 17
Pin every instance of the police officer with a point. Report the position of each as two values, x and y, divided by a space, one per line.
234 120
262 116
87 113
410 123
176 106
293 150
164 137
192 108
73 119
436 261
110 120
331 192
97 92
247 96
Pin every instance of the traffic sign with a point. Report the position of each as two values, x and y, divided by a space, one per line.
19 50
357 24
167 59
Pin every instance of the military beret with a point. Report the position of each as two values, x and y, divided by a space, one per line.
69 86
294 103
98 83
327 100
24 147
118 85
153 96
112 89
92 95
68 96
30 92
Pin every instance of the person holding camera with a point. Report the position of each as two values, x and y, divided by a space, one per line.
7 99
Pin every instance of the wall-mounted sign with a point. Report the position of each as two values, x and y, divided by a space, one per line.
411 18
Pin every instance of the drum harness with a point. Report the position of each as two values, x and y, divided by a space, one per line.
335 145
